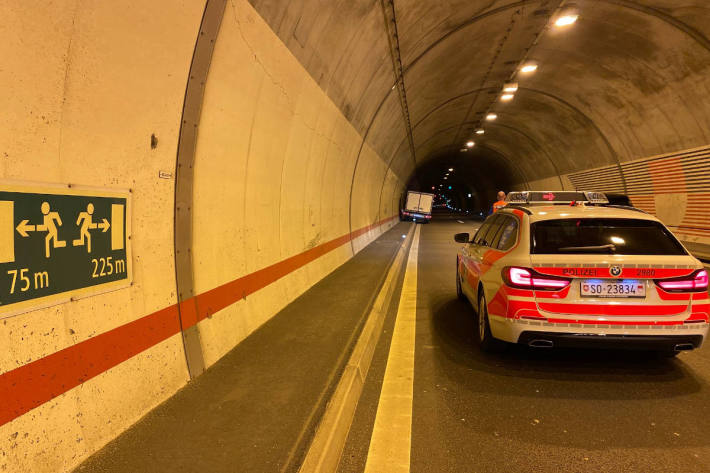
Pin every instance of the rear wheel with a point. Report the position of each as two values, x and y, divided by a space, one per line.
485 338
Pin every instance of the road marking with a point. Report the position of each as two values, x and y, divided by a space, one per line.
460 221
391 440
327 445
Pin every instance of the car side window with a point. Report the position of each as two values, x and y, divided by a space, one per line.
500 225
508 235
482 234
495 231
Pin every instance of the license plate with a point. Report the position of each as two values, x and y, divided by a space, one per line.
612 288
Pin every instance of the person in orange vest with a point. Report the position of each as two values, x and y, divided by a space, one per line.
501 202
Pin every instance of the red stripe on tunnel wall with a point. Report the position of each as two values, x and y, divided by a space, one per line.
227 294
40 381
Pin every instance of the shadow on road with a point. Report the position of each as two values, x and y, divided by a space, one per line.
583 373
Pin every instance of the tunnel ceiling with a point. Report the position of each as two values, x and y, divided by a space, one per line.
628 79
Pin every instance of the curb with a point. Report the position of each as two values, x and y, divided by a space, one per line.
323 454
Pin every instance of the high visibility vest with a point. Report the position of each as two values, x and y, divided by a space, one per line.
499 205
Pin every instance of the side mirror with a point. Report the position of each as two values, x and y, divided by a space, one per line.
461 238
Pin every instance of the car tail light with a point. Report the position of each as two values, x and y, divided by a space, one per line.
694 282
427 216
526 278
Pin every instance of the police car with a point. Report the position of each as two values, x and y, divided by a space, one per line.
562 269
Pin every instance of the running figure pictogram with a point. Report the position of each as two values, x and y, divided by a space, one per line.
50 227
85 219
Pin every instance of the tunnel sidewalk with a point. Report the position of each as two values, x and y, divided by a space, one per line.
257 408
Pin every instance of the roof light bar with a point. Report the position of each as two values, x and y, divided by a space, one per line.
555 197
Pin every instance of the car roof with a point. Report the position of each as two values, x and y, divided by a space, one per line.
551 212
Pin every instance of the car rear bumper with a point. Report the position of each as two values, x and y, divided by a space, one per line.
625 342
656 337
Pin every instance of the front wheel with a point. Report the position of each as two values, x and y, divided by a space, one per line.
486 341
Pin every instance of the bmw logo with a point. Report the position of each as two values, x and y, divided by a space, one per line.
615 271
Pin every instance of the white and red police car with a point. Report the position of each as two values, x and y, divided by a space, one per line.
568 269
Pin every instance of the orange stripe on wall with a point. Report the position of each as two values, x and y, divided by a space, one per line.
40 381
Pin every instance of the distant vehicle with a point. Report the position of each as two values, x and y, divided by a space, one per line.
568 269
417 207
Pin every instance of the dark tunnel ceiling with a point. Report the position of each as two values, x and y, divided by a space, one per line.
629 79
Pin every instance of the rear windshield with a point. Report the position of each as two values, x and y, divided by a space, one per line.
603 236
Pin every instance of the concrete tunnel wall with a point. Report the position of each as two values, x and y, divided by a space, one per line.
284 189
299 160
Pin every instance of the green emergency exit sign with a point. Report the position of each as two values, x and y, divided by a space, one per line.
59 243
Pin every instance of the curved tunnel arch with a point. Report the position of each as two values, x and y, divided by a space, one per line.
448 35
453 148
296 162
674 23
698 37
552 96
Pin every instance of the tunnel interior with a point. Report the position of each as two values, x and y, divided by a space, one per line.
262 144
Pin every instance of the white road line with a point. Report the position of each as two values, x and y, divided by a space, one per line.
391 440
460 221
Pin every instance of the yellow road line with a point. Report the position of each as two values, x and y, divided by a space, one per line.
391 440
327 444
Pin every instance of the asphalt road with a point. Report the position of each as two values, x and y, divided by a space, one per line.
529 410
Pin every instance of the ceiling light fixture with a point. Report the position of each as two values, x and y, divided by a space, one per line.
567 18
451 169
491 117
480 131
529 67
470 144
510 87
463 150
507 97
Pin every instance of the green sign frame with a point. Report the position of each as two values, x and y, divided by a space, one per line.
60 243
